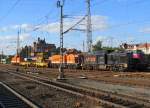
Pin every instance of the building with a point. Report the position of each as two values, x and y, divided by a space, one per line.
41 46
41 49
145 47
26 51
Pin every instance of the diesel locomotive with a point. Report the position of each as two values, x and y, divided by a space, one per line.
115 61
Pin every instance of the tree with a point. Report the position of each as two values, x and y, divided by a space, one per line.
111 49
8 59
57 50
97 46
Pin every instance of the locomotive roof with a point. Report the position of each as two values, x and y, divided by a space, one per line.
119 52
99 52
96 52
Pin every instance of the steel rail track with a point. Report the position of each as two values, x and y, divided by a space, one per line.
29 71
9 98
129 82
106 99
129 96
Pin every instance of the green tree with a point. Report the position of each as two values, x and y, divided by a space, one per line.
111 49
57 50
97 46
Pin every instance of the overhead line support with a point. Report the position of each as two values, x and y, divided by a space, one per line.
71 28
89 27
61 71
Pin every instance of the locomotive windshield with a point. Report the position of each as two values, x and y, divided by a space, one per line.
137 54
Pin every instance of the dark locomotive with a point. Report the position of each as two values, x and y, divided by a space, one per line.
115 61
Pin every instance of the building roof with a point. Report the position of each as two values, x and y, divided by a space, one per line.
145 45
132 46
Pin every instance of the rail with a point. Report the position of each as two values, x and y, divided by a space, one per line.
106 99
10 98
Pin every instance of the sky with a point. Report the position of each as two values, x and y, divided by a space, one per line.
113 22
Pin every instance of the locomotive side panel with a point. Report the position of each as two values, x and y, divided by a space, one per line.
89 62
74 61
16 60
95 61
55 61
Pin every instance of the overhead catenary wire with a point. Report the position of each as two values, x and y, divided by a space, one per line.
71 28
46 16
113 26
42 20
10 10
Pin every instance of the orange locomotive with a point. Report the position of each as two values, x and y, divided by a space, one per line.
16 60
72 61
55 61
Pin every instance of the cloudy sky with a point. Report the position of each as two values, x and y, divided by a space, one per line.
113 22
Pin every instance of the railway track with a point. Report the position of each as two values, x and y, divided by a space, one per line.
106 99
11 99
140 80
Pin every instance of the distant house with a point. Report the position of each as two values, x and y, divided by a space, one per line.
145 47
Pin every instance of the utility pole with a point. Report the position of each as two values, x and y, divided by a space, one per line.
89 27
83 47
18 42
2 56
60 4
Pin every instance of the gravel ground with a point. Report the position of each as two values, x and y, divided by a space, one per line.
45 96
136 84
139 92
140 79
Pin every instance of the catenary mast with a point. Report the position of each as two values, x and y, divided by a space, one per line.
60 4
89 27
18 42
